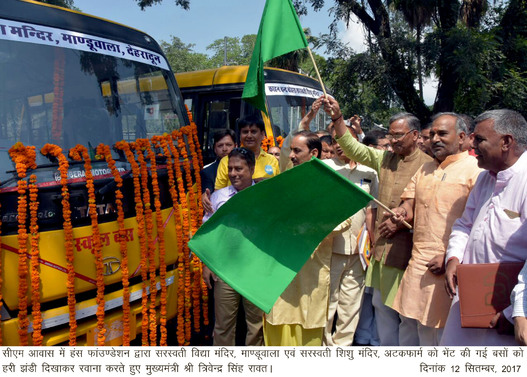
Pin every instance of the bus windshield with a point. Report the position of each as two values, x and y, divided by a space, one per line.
69 88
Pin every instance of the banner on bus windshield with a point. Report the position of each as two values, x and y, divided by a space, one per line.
278 89
31 33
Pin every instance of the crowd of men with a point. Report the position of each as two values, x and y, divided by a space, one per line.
450 192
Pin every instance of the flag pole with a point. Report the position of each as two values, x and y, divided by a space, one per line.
391 212
318 74
326 96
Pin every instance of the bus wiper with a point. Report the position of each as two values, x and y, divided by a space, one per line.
41 166
110 186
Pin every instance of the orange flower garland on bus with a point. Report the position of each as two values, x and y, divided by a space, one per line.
182 227
35 272
196 216
79 153
56 151
139 210
161 242
158 141
104 150
24 159
140 147
186 230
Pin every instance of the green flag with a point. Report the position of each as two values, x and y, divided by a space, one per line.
280 32
262 236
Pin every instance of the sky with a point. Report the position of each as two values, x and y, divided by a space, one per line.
209 20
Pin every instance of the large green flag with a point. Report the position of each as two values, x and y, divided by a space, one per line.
262 236
280 32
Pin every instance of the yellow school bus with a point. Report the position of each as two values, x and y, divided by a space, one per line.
70 79
214 97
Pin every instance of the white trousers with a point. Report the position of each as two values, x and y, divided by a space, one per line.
346 290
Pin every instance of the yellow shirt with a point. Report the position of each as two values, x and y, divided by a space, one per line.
440 192
266 167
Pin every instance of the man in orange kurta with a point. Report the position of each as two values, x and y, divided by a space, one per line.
434 198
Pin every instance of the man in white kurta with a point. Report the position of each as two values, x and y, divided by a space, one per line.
493 227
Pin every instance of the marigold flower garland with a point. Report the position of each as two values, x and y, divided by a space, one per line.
35 272
104 150
182 231
24 158
187 229
196 211
161 242
141 145
194 128
204 288
79 153
140 217
56 151
266 143
156 140
279 140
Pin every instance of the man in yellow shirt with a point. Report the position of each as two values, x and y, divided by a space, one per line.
252 132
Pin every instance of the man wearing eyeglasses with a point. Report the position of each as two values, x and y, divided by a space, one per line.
392 243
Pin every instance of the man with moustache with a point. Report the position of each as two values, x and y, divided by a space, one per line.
493 228
434 199
393 243
299 315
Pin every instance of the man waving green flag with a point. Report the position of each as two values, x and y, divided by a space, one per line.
280 32
261 237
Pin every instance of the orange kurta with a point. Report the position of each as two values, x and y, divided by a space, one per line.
440 192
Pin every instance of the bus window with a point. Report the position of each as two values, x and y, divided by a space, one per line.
288 104
216 99
66 79
66 97
221 111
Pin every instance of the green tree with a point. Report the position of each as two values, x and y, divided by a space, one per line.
182 58
247 44
232 50
185 4
61 3
476 51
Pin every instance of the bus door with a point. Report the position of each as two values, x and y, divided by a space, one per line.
219 111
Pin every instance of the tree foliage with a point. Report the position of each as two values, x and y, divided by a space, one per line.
185 4
238 51
477 51
61 3
182 58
